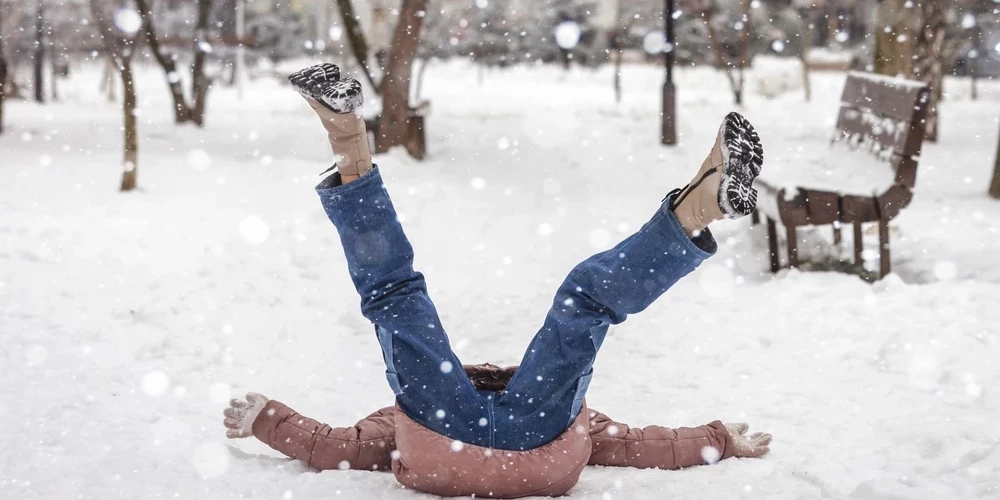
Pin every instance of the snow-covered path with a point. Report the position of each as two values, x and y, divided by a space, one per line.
127 321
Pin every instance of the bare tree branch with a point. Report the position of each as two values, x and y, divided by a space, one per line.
359 46
182 112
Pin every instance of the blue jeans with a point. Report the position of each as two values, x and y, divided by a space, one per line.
546 392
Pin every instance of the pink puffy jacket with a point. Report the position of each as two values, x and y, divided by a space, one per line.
426 461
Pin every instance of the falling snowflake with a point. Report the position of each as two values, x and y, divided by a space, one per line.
654 42
710 454
128 21
219 393
600 238
254 229
198 159
968 21
155 383
567 34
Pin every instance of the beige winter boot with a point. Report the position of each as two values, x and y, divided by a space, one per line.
722 188
338 104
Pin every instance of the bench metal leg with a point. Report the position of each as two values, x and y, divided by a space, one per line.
837 237
793 248
754 218
883 248
772 245
859 246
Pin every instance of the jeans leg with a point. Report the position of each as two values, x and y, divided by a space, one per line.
546 392
430 385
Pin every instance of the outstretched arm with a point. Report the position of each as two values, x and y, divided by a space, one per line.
618 445
365 446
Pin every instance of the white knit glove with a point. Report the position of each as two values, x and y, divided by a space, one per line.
752 446
241 414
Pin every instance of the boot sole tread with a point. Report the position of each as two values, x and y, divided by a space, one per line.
743 158
322 83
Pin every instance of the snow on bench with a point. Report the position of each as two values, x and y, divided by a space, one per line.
866 175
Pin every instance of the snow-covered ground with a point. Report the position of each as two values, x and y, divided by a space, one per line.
128 320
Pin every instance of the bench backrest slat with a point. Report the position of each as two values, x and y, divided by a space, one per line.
883 113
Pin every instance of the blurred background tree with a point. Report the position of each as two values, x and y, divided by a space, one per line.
196 43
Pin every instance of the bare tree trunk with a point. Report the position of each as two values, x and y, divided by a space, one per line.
120 49
807 40
893 38
55 77
394 123
39 62
3 72
704 8
738 89
108 84
199 81
130 161
357 38
744 52
995 183
182 112
618 75
975 77
928 61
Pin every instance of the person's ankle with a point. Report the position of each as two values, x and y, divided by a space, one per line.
690 229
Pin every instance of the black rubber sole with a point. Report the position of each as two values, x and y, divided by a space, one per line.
322 83
743 158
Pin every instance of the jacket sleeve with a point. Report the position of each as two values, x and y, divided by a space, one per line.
366 446
618 445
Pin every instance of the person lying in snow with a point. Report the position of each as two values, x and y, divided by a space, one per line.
485 431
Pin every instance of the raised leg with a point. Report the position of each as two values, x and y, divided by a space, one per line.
772 245
423 371
548 388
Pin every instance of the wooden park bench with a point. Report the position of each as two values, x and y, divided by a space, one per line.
416 135
879 132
